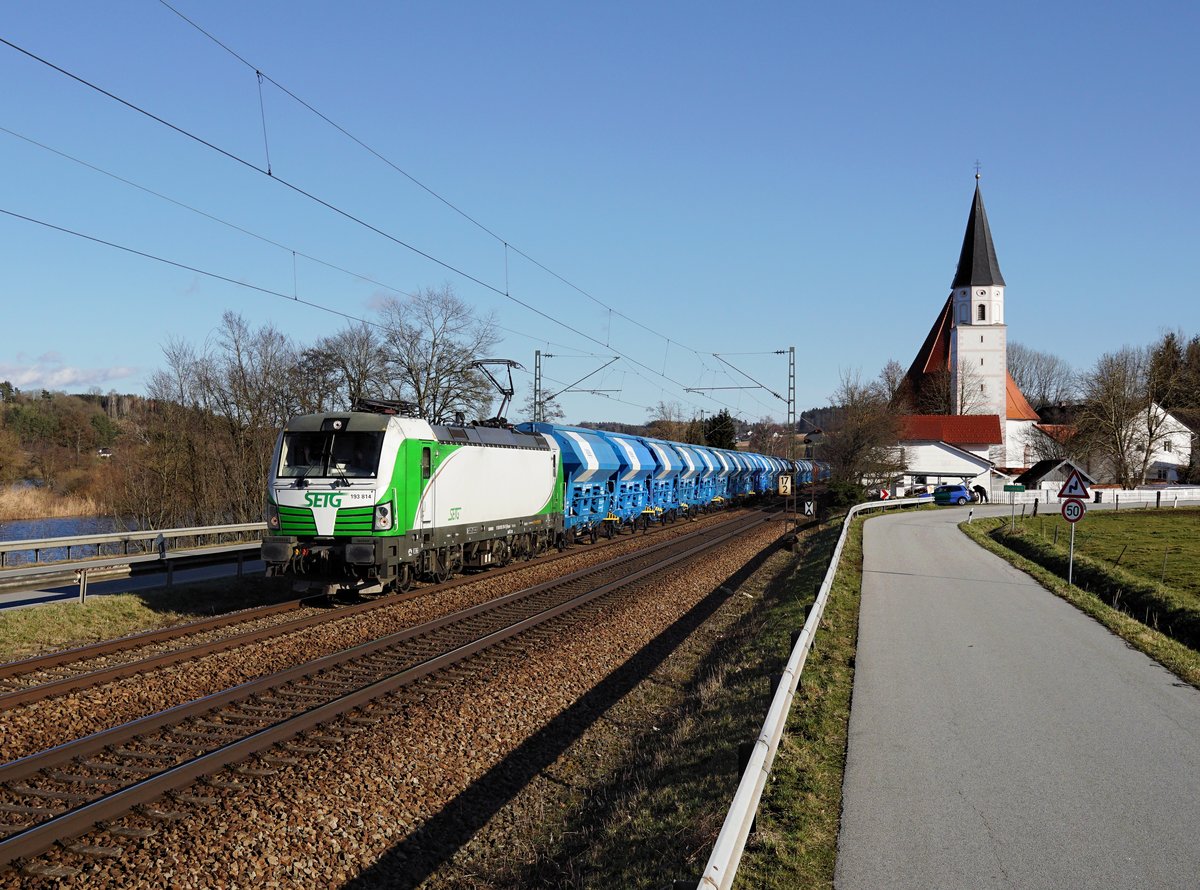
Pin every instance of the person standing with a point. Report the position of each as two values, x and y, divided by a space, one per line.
981 493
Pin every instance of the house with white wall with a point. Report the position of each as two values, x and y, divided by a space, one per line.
939 448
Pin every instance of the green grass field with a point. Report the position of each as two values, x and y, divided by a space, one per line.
37 629
1157 545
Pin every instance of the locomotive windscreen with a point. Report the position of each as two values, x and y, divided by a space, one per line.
324 454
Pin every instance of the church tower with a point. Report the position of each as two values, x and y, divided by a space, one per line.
978 334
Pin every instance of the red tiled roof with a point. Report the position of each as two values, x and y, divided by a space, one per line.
1059 432
1017 406
934 354
953 429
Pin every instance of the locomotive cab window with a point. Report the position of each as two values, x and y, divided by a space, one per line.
328 453
426 463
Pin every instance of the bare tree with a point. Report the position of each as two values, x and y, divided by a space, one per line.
667 420
1045 379
892 379
862 448
1058 442
942 393
1121 419
201 451
342 368
769 437
551 411
430 342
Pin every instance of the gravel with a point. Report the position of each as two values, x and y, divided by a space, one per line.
387 802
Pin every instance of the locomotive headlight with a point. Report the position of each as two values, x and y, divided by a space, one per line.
384 518
272 516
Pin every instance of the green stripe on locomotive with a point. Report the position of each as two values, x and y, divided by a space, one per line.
433 487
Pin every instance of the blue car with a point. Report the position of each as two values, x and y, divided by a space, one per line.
953 494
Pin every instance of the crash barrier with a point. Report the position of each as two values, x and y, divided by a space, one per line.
727 852
157 548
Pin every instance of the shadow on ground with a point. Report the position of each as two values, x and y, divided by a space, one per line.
427 849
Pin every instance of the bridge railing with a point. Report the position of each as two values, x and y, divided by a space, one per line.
731 842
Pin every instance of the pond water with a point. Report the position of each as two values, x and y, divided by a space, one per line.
57 527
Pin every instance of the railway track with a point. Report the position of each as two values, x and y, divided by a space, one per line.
72 670
55 795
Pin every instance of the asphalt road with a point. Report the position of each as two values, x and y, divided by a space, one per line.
1001 738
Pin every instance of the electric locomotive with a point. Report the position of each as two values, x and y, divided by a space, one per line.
372 498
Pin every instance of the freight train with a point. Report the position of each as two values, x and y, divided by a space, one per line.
373 499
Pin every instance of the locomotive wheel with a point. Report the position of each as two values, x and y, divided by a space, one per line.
405 580
503 553
442 571
608 530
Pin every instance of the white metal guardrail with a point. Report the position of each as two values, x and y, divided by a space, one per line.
727 852
156 546
144 540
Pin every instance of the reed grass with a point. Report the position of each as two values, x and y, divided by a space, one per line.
39 503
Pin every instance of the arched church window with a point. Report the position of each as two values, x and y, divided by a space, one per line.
982 312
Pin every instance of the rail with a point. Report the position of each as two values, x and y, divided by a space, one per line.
727 852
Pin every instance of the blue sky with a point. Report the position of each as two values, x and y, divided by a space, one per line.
739 178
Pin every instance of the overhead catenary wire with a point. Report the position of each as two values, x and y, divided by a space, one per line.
227 280
349 216
206 215
433 193
252 166
294 253
195 269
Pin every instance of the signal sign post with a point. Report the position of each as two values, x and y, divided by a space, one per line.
1074 491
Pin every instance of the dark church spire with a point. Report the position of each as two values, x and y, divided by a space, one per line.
977 262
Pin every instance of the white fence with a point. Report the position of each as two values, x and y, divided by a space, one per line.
1141 497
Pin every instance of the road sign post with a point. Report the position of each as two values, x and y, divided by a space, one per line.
1012 499
1074 490
1072 511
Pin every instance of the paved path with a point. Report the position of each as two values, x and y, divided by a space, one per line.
1001 738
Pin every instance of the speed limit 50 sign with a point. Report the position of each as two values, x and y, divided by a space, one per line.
1073 509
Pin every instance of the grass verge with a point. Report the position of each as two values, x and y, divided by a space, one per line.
795 844
1113 591
640 799
36 629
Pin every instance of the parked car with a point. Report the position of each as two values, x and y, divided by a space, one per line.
953 494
